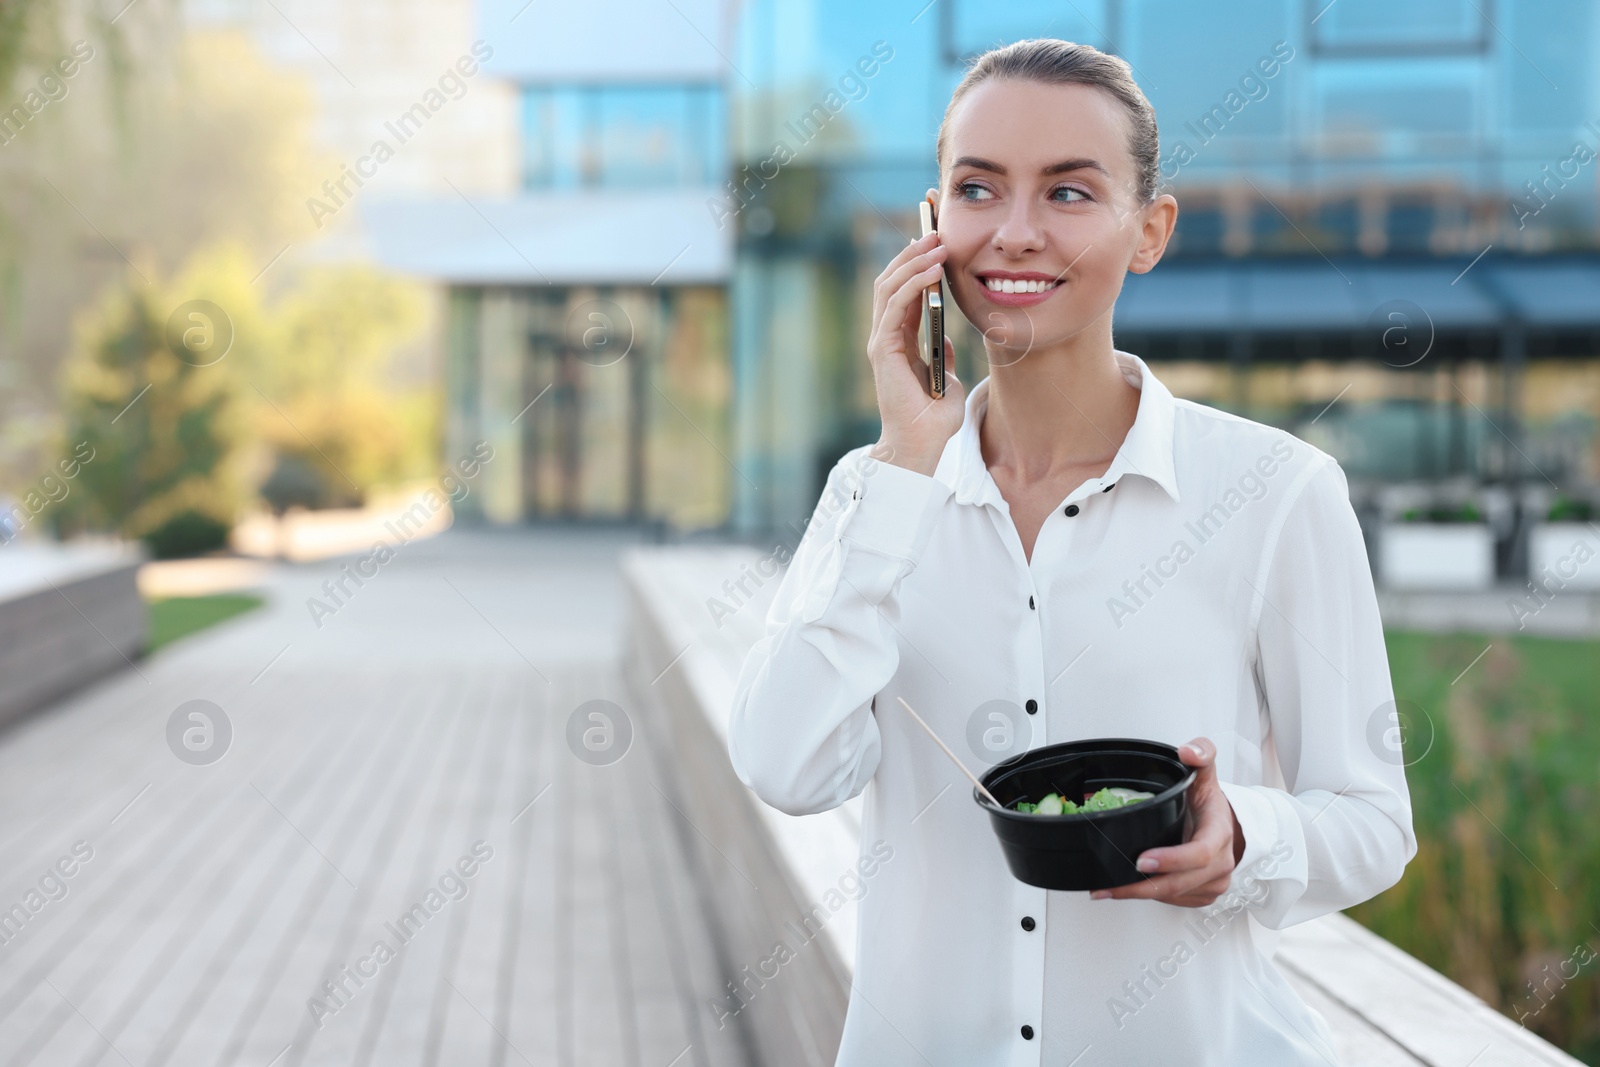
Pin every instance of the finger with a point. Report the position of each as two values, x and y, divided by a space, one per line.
903 302
1205 845
1165 887
910 251
913 352
901 314
895 279
882 285
1184 876
912 258
911 318
1198 753
1191 855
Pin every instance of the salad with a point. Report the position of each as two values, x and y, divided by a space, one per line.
1101 800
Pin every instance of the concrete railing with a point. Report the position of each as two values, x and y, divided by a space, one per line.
764 869
68 615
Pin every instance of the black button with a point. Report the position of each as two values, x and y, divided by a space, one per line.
1110 487
1030 602
1027 922
1032 706
1072 509
855 495
1027 1032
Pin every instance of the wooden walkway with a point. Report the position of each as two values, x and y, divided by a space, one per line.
420 732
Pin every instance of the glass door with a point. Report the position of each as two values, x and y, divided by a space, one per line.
582 429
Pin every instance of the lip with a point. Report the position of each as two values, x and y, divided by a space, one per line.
1018 299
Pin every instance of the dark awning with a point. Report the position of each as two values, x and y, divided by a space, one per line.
1339 296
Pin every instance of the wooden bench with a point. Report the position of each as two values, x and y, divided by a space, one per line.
68 616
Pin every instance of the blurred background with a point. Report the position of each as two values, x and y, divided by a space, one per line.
282 282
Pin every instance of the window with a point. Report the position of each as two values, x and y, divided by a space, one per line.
967 28
1270 231
1410 225
1382 27
1337 224
1200 230
622 136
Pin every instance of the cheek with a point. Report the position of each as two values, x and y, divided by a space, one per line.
1099 250
961 248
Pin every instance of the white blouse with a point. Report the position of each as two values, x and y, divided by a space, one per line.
1242 610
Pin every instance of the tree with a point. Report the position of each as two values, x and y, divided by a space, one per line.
196 393
151 392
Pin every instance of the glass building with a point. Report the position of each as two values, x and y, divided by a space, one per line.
1339 169
716 185
587 309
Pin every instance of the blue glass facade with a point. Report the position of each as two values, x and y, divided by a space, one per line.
622 136
1448 108
1450 138
1329 160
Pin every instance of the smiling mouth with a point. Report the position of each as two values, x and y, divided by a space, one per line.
1008 285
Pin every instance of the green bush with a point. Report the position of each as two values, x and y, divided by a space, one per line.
1465 512
295 482
1570 509
1506 881
188 533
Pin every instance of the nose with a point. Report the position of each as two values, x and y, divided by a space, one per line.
1020 230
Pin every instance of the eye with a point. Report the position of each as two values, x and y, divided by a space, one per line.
969 191
1068 189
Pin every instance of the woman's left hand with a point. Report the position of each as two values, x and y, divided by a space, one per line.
1197 872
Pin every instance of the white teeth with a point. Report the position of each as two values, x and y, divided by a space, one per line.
1008 285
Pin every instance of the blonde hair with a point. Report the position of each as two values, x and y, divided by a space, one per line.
1056 62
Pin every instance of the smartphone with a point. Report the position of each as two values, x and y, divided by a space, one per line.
933 316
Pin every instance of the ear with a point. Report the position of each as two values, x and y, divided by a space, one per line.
933 198
1160 219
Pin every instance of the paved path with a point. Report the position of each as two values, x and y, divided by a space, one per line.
1563 613
419 733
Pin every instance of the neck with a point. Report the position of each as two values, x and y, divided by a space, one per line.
1057 408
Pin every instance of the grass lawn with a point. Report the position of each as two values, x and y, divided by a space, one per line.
1504 893
179 616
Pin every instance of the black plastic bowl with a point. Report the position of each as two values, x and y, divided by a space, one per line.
1090 850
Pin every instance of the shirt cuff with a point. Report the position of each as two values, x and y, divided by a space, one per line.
1270 853
894 510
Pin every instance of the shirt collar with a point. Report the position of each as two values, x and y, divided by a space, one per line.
1146 451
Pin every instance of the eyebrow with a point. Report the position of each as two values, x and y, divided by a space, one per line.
1062 167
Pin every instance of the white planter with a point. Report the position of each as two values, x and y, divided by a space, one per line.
1443 555
1569 552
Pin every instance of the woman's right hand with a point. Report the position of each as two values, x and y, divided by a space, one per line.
915 425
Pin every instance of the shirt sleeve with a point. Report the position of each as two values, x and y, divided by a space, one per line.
1341 832
801 733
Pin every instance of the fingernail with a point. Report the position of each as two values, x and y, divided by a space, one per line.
1100 894
1147 863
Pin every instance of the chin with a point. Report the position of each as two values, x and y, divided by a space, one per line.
1015 330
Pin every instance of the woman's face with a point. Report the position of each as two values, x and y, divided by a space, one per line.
1041 189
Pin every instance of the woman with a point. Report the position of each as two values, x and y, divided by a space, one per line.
1072 552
